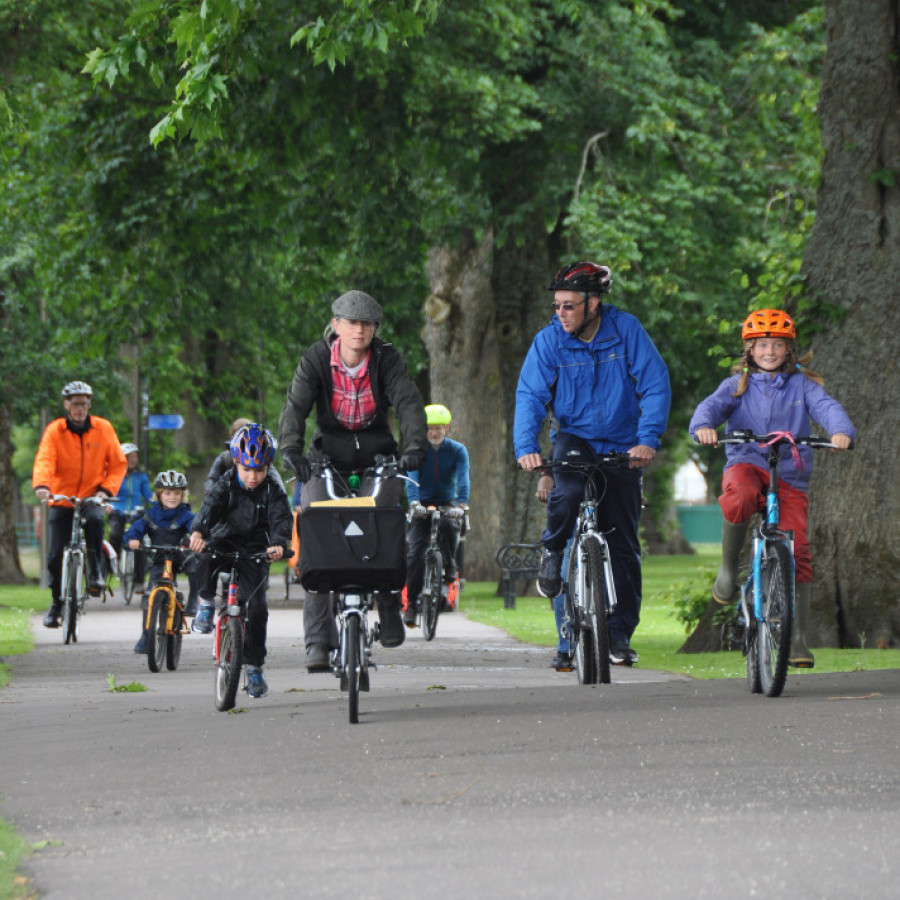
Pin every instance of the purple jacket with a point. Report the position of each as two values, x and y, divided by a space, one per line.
782 403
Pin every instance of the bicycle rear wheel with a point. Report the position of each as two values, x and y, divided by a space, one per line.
157 639
353 663
773 633
231 660
431 593
173 645
127 575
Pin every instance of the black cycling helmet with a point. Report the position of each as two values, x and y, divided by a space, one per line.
585 277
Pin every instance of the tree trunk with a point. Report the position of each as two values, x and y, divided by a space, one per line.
853 263
10 568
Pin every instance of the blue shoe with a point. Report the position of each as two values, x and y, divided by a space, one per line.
203 621
256 684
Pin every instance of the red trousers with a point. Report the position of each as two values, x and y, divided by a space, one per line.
744 489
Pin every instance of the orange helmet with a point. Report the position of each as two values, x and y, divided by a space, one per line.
768 323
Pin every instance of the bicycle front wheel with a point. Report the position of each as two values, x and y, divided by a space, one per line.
157 639
231 660
353 662
773 633
431 593
598 607
587 665
70 599
127 575
173 645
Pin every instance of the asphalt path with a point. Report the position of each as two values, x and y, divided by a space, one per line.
476 771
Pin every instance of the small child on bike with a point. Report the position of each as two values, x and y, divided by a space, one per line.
167 521
769 390
244 510
442 479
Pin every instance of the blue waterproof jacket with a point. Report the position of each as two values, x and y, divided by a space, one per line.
779 403
612 391
165 526
134 491
443 477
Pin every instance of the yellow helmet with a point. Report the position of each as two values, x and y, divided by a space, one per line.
437 414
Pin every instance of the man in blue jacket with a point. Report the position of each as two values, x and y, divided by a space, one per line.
441 480
598 372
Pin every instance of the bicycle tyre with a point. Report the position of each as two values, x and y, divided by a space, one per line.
353 666
231 661
173 645
70 600
127 575
773 633
599 608
584 648
431 593
157 639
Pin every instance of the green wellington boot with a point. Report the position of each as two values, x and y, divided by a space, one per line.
725 585
801 655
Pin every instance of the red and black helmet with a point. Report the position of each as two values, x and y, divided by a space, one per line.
768 323
586 277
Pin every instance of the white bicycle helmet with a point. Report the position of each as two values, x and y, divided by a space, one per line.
129 448
170 480
77 387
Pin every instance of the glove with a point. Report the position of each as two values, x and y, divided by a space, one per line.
411 461
299 463
457 512
417 510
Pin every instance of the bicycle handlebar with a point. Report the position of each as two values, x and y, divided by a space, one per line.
777 438
385 467
84 501
611 460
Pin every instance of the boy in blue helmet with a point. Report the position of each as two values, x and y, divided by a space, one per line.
244 510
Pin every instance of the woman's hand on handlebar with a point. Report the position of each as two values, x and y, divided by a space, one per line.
707 436
198 545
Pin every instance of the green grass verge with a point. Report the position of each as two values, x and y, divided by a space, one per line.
660 634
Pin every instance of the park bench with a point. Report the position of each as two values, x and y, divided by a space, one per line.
518 562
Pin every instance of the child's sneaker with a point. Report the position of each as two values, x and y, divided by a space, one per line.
203 621
256 684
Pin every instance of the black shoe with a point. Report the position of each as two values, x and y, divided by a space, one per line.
96 587
393 634
549 582
317 658
562 662
620 654
51 620
409 615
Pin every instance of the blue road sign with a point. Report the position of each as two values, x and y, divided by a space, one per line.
166 421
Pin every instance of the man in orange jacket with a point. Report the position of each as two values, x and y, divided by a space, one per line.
79 456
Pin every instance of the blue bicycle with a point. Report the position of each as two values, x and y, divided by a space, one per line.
765 605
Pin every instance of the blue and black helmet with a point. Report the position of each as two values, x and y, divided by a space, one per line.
253 446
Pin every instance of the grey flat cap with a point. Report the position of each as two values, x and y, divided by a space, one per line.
357 305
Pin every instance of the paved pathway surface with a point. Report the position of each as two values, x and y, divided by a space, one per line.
476 771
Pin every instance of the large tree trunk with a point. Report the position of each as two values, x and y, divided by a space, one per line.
853 262
461 338
10 568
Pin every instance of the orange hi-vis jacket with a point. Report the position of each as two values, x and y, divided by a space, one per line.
79 465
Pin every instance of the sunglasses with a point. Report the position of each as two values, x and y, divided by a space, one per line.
567 307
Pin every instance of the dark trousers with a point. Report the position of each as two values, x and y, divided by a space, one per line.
252 577
116 531
619 513
319 626
60 524
417 537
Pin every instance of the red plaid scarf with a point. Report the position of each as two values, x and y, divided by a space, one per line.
352 400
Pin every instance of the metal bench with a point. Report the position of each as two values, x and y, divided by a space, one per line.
518 562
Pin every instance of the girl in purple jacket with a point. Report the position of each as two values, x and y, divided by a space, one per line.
768 391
